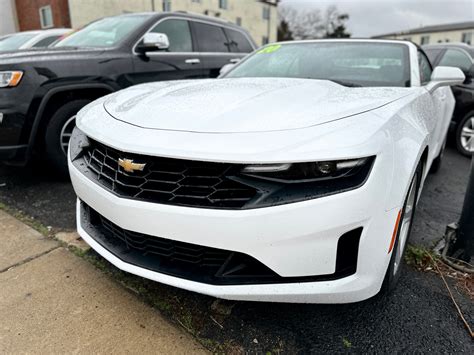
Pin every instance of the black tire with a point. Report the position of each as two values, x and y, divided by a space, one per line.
53 145
436 165
393 274
458 136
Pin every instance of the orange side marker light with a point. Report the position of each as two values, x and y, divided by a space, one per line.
395 231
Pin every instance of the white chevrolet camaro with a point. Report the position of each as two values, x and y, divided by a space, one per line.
294 177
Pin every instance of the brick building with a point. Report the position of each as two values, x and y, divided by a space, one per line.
259 17
42 14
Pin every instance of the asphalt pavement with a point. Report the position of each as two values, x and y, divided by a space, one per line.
418 317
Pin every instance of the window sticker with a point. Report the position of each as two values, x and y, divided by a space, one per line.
269 49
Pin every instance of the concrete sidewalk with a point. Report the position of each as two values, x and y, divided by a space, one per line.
52 301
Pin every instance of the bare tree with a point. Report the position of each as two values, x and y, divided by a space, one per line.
310 24
336 23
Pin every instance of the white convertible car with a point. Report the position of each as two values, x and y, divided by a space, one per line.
294 177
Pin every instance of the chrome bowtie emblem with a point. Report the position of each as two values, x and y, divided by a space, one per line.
129 166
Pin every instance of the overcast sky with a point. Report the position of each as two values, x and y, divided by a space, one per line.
373 17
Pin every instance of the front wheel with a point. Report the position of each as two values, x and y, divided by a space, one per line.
403 234
58 134
465 135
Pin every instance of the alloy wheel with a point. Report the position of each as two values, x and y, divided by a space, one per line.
66 133
467 135
406 221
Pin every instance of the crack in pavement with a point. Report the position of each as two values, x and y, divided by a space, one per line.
28 259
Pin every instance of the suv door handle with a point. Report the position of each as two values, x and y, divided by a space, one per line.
234 60
192 61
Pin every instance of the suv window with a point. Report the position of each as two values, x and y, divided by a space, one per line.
425 68
456 58
238 41
178 33
45 42
432 53
211 38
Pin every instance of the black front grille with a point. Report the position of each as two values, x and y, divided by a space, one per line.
200 263
167 181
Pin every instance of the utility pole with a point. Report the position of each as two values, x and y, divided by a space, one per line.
465 233
152 5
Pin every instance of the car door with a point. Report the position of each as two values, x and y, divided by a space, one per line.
179 61
436 107
214 47
455 57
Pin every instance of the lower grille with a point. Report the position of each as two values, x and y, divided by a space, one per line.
200 263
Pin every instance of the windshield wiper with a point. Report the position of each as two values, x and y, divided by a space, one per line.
346 83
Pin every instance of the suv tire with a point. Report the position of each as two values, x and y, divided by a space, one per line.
59 126
466 123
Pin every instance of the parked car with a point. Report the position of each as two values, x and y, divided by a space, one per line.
32 39
41 91
294 177
460 56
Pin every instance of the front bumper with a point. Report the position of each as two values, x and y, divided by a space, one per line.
293 240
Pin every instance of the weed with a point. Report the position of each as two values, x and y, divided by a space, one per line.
419 257
347 344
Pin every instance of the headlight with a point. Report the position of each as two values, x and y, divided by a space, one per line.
279 184
306 172
10 78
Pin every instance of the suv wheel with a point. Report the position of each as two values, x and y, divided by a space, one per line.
465 135
58 134
403 233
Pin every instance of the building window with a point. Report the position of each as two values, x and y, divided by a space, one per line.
166 5
425 40
238 21
198 1
266 13
264 40
223 4
466 37
46 16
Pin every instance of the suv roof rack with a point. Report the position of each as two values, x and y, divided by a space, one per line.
218 19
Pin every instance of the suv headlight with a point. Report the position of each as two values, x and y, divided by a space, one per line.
10 78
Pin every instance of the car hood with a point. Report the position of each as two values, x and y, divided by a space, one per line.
243 105
44 54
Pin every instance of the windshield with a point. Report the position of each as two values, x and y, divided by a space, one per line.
14 42
107 32
350 64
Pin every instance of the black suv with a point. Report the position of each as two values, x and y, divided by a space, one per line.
461 56
42 90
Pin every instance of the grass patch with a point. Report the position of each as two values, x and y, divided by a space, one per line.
420 258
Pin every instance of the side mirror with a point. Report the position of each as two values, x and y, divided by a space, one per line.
445 76
226 68
153 42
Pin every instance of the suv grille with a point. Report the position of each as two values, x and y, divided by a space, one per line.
200 263
167 181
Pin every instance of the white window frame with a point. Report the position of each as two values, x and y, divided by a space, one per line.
466 37
166 5
223 4
42 19
266 13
